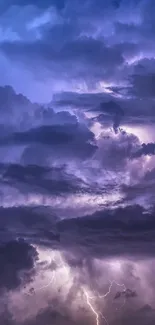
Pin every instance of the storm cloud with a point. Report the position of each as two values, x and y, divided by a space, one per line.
77 162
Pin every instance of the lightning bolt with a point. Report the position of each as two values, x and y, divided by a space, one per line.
62 263
48 284
110 287
52 259
91 307
97 314
89 298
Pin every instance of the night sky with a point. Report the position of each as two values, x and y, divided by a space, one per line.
77 162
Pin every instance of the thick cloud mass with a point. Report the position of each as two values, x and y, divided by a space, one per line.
77 162
16 257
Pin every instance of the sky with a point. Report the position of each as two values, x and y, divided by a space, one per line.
77 162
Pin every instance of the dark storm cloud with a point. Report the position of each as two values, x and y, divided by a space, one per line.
16 257
113 109
39 179
122 231
60 154
90 59
55 141
77 100
107 109
34 224
50 135
28 217
54 135
143 85
141 82
147 149
105 233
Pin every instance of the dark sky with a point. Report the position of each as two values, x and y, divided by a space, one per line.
77 162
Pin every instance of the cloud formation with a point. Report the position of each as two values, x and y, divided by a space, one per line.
77 176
